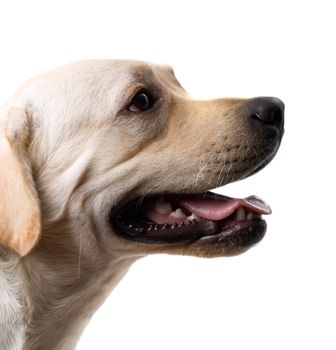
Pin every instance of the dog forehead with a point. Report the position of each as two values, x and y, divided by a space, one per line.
102 72
135 69
143 72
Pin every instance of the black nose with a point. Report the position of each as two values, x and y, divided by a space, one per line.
267 110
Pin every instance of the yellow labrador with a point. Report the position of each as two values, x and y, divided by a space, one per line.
104 162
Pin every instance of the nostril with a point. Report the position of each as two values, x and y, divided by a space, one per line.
269 116
257 116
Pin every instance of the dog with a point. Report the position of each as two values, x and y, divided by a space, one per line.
104 162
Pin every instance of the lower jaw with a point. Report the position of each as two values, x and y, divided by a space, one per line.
204 237
236 239
231 234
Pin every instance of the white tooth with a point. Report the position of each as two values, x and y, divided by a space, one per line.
163 207
249 216
178 213
240 214
193 217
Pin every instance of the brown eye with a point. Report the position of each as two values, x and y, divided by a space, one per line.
142 101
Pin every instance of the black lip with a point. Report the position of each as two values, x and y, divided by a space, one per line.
242 235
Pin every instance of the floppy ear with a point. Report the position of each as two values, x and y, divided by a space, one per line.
19 205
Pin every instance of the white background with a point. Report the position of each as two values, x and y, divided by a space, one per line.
281 294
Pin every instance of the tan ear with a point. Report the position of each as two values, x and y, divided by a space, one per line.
19 205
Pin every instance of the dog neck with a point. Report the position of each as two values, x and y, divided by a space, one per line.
14 302
45 308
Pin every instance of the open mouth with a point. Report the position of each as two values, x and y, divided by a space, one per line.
186 218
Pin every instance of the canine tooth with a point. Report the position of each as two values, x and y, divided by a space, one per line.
178 213
164 226
173 226
150 227
163 207
249 216
240 214
155 228
193 217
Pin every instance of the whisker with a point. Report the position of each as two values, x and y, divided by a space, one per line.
80 254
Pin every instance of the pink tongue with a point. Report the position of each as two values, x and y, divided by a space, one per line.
217 207
210 206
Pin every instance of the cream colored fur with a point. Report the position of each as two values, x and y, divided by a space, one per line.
71 151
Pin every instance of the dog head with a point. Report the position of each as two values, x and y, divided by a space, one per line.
118 160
